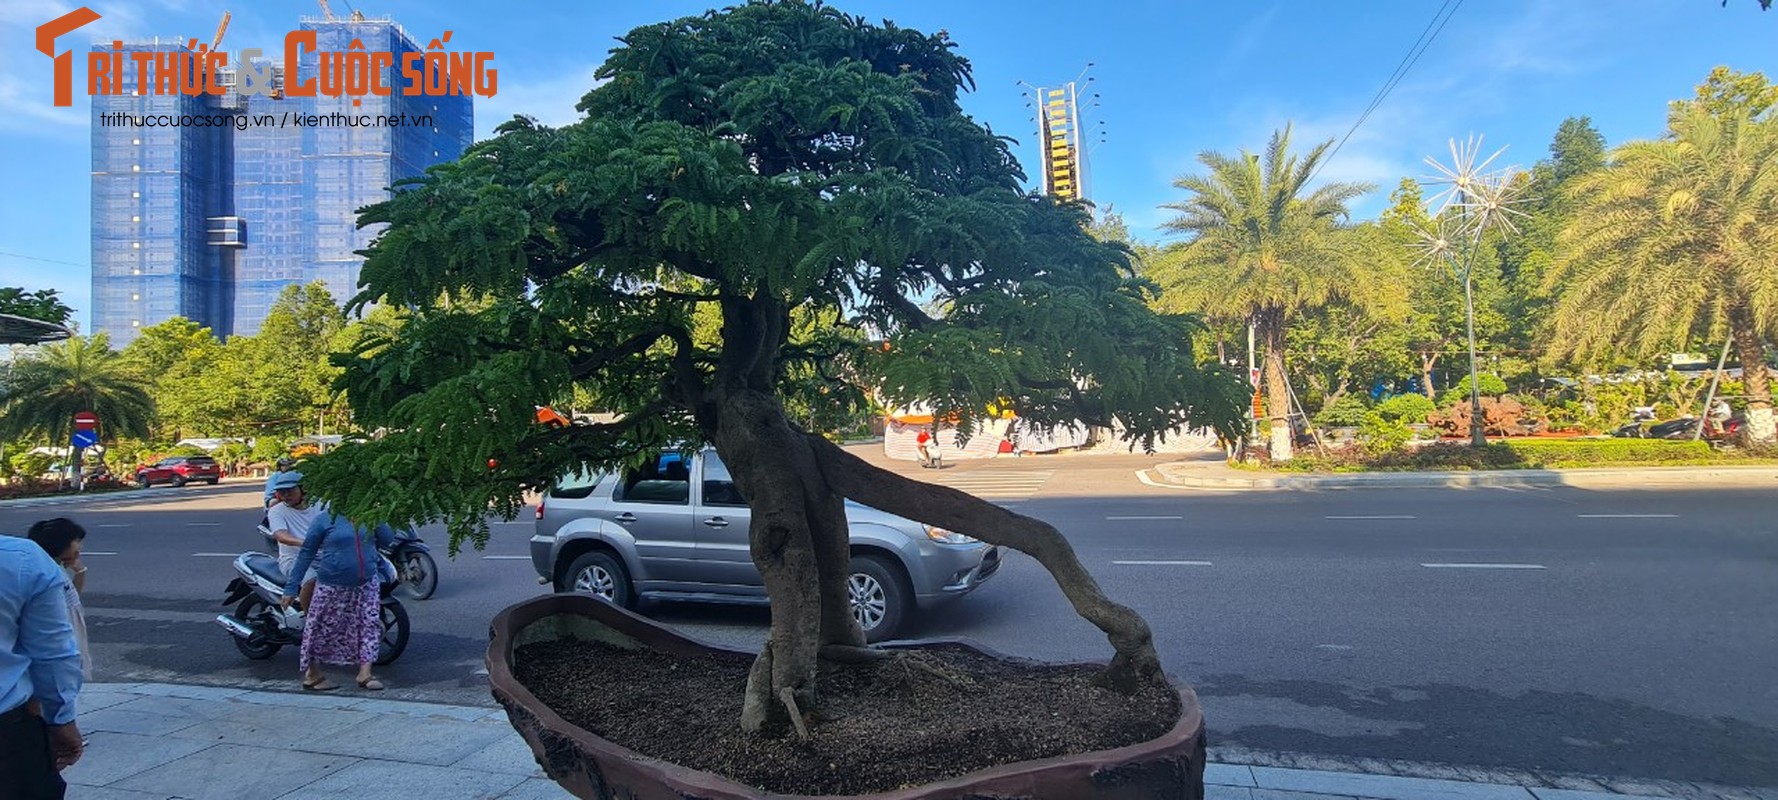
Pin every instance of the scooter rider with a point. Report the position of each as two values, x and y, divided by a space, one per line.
285 464
289 521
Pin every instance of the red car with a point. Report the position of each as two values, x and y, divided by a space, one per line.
179 470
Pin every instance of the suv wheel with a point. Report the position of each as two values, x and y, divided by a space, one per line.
178 481
879 597
142 481
600 574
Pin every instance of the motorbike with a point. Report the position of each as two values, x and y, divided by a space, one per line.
261 628
413 562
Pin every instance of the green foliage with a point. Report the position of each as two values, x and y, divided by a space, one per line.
1261 248
1671 243
1346 412
1566 453
43 304
1410 409
28 464
179 358
1491 386
1380 435
748 190
48 386
268 449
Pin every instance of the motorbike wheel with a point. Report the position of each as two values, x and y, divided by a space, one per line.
255 647
419 575
395 631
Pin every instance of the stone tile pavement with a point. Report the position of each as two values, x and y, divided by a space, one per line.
167 742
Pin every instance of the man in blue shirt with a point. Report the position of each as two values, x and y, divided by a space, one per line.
285 464
40 673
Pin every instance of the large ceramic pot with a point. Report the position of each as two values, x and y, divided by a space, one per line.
1171 766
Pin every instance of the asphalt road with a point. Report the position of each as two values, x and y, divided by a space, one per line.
1622 633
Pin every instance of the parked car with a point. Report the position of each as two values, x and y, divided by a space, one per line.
677 529
179 470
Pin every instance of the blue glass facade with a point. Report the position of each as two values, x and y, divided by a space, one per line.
211 223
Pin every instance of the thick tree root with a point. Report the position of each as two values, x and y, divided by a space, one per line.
911 661
788 695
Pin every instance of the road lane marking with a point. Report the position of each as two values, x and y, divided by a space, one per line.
1370 516
203 524
117 524
1162 563
1158 516
506 558
97 553
215 555
1484 566
1628 516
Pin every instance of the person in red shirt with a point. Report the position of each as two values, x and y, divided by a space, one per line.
923 441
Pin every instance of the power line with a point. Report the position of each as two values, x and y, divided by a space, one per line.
45 260
1417 49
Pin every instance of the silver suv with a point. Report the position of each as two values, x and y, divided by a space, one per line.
678 530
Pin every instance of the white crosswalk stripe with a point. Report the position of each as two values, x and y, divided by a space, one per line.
996 484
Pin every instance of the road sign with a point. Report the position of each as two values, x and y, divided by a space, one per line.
84 438
86 421
1253 376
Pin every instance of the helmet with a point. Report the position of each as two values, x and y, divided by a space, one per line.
286 462
287 480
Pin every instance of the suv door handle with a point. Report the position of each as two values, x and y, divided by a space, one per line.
625 517
716 522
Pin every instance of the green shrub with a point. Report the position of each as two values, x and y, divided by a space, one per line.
1346 412
1492 386
1409 408
30 465
1381 436
1557 453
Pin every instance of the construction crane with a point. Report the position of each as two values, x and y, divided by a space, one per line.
216 43
326 11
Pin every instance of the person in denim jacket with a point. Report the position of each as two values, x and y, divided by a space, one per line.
343 623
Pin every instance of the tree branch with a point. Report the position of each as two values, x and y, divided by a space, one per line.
1135 662
634 345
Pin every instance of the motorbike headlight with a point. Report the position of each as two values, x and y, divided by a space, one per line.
943 536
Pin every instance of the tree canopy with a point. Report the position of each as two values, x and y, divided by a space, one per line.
750 168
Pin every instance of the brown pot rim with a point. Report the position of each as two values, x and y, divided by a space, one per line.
689 781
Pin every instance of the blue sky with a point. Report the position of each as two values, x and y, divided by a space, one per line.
1173 79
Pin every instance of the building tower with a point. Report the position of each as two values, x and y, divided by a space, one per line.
213 222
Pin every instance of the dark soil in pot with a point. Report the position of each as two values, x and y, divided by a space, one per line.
885 726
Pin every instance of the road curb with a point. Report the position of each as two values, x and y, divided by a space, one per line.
1190 475
163 493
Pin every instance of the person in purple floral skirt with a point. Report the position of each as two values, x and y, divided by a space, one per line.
342 624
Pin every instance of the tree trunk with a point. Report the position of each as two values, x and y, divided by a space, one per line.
1135 662
1427 362
1271 331
798 540
1755 377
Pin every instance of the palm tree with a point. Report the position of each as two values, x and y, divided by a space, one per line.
1672 243
1261 251
45 389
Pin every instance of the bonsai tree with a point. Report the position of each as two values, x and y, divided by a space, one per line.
738 176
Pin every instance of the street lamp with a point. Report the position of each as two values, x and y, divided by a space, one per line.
1473 201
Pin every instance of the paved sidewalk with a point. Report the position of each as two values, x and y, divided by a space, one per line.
1211 471
160 742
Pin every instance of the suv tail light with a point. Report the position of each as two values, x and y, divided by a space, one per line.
540 508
